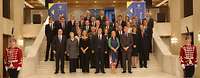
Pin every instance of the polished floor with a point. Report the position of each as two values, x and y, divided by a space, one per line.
46 70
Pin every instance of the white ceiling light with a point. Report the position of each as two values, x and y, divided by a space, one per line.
95 1
114 1
29 5
42 2
77 2
163 2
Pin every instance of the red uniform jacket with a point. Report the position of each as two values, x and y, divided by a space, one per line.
14 57
188 55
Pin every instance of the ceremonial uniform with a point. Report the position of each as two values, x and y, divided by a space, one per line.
13 61
188 58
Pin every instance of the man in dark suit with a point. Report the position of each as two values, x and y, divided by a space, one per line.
88 16
50 32
101 17
143 42
126 43
71 24
87 26
150 26
119 34
93 21
100 43
62 25
92 36
59 47
82 22
120 21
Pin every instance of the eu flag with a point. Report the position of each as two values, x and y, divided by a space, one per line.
56 9
136 8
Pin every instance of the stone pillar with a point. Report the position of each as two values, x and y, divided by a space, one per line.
17 11
175 20
1 41
196 26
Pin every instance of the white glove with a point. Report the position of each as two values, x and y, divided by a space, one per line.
6 68
54 51
196 66
18 68
92 51
183 66
106 52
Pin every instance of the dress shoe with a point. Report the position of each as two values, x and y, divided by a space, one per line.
129 72
63 72
56 72
96 72
46 60
52 60
103 72
124 72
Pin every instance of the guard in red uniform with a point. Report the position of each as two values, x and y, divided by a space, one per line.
13 59
188 58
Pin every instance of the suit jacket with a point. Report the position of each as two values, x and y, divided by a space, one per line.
88 30
71 26
82 24
50 32
143 41
73 48
150 26
123 23
127 41
102 20
59 47
87 18
66 29
100 43
92 37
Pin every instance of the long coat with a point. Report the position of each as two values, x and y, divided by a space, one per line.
73 48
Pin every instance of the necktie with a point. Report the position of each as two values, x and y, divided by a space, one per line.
87 28
60 39
63 26
51 26
99 37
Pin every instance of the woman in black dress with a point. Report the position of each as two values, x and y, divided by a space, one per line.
84 58
135 51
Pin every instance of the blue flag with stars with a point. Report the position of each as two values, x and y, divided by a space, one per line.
57 9
136 8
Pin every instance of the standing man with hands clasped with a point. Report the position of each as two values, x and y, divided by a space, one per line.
126 43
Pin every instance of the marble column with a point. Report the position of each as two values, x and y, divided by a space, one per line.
1 41
196 26
17 10
175 20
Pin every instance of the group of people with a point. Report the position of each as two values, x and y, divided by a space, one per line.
97 42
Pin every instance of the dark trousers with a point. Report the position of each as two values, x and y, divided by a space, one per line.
73 64
49 45
92 60
189 71
84 62
100 60
119 60
106 59
126 56
60 59
13 73
143 57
